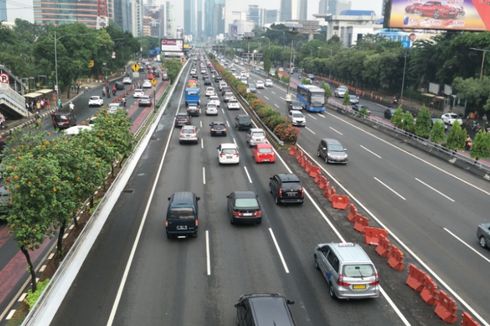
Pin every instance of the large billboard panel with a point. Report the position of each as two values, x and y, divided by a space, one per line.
172 45
471 15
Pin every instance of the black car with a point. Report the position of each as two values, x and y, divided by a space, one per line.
389 113
263 309
63 119
244 207
217 78
182 215
182 119
243 122
207 82
286 188
217 128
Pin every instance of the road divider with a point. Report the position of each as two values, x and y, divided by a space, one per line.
373 235
396 258
360 223
429 291
340 201
467 320
415 278
383 248
446 308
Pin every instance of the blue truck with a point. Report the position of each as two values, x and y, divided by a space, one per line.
192 96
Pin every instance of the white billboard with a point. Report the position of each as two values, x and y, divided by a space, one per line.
172 45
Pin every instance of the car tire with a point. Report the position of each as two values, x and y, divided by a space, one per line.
232 221
169 236
483 242
277 201
315 261
331 292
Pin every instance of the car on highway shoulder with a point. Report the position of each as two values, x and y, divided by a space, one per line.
182 119
297 118
188 134
146 84
483 235
264 153
243 122
348 270
263 309
127 80
211 109
233 105
450 118
340 91
144 100
217 128
332 151
268 83
286 188
353 99
138 93
228 154
182 217
260 84
95 101
244 207
256 136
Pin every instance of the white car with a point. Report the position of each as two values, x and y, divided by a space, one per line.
255 136
146 84
209 91
228 154
127 80
113 107
340 91
268 83
233 105
188 134
138 93
211 109
450 117
75 130
297 118
244 80
260 84
95 101
214 101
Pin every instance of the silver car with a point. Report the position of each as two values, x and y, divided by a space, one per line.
483 235
348 270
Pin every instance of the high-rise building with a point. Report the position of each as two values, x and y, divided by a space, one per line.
302 10
333 7
214 20
289 10
253 14
137 17
169 20
48 12
268 16
3 10
199 20
189 17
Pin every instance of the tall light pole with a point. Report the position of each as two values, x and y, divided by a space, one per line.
290 69
482 59
56 64
404 72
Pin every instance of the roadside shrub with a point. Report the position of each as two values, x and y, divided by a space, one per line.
481 145
285 79
456 137
242 89
265 112
364 113
397 118
346 98
32 297
250 97
286 132
423 123
274 120
408 123
257 104
438 133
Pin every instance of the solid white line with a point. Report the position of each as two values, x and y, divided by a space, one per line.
202 143
389 188
208 255
248 175
412 155
286 269
200 123
322 116
273 92
467 245
277 106
223 111
10 315
228 123
234 140
397 239
43 268
311 116
22 297
265 96
203 175
370 151
434 189
140 229
335 130
314 133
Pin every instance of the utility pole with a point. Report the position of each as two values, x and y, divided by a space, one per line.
482 59
403 78
56 63
290 68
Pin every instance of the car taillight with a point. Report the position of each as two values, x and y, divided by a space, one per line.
340 281
166 223
376 280
258 213
237 214
197 221
280 192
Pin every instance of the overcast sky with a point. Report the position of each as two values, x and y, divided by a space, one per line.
23 8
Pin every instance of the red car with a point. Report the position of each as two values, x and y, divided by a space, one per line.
264 152
434 9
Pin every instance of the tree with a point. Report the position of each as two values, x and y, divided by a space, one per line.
328 90
173 67
397 118
408 122
424 123
437 133
346 98
456 137
481 145
305 81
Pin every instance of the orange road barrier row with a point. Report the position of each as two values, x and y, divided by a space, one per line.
373 235
360 222
415 278
383 247
339 201
292 150
351 212
445 307
395 258
429 291
467 320
314 171
329 192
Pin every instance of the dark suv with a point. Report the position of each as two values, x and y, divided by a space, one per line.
263 309
182 215
182 119
63 119
243 122
286 188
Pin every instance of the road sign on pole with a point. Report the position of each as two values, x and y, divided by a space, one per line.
135 67
4 78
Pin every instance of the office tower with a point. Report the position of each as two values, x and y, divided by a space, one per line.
3 10
302 10
189 17
289 10
214 20
333 7
253 14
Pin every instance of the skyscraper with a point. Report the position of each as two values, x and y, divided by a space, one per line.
289 10
270 16
302 10
214 22
333 7
189 16
3 10
253 14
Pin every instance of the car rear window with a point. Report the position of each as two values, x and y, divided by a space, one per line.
358 270
229 151
258 134
181 213
246 203
265 150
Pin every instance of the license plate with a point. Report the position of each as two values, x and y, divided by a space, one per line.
181 227
247 214
291 194
359 286
229 157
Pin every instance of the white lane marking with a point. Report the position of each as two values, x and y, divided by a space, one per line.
467 245
202 143
286 269
203 175
413 155
397 239
266 97
140 228
277 106
273 92
228 123
389 188
248 175
314 133
234 140
322 116
22 297
335 130
200 123
43 268
10 315
208 255
311 116
434 189
370 151
223 111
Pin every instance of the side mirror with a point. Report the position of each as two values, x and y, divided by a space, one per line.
289 301
198 198
168 198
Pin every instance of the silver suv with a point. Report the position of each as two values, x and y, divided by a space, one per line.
348 270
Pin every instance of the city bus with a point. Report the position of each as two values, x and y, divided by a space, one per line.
311 98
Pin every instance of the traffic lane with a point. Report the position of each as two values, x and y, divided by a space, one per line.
90 299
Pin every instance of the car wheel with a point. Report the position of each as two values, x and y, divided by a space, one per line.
483 242
316 262
278 202
326 159
331 292
318 153
232 221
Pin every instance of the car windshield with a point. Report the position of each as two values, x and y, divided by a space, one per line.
244 119
336 148
317 99
188 131
181 213
358 270
265 150
246 203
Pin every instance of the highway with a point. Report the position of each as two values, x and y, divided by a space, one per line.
430 205
135 276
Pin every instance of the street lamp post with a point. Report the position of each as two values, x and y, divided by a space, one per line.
403 78
56 64
482 59
290 68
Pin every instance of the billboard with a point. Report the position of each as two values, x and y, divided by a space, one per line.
471 15
172 45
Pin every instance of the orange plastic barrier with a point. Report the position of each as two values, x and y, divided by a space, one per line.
467 320
383 247
372 235
360 222
429 291
395 258
351 212
302 161
339 201
415 278
446 308
329 191
292 150
308 165
314 171
299 155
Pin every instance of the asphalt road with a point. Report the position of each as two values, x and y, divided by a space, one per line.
175 282
432 206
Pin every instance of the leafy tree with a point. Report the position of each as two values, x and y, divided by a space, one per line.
481 145
437 133
346 98
328 90
424 123
173 67
397 118
267 62
408 123
305 81
456 137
